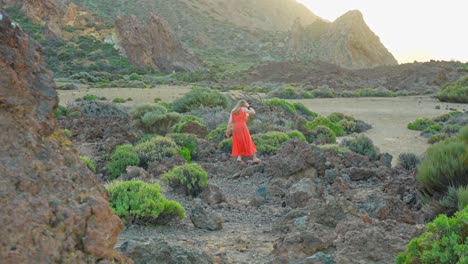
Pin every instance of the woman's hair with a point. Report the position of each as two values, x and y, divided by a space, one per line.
238 106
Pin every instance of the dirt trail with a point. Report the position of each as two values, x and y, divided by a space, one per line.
389 118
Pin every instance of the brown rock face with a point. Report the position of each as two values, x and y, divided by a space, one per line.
52 208
153 44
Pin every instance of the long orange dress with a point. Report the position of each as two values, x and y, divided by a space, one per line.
242 144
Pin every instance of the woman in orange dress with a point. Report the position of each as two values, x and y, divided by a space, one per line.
242 144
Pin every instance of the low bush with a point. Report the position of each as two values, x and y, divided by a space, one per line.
323 93
185 153
90 97
211 117
336 117
447 117
154 118
67 132
361 144
156 149
302 109
369 92
269 143
437 138
297 135
186 141
445 166
443 241
321 135
218 134
455 92
190 178
421 123
190 123
198 97
226 145
147 137
323 121
284 105
89 163
408 161
124 156
137 201
60 111
118 100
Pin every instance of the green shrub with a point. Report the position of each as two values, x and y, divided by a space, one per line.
190 178
369 92
198 97
185 153
123 157
188 121
421 123
323 93
451 129
187 141
286 106
156 149
446 117
226 145
118 100
147 137
408 161
67 132
270 142
90 97
302 109
134 77
437 138
336 117
297 135
74 114
218 134
348 125
455 92
361 144
137 201
321 135
323 121
89 163
443 241
154 118
444 166
60 111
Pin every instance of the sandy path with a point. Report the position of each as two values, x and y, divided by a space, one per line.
139 95
389 118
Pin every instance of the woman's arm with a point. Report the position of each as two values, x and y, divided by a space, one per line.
229 126
250 111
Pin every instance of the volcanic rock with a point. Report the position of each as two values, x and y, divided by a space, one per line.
153 44
53 210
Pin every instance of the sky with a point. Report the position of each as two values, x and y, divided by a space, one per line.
410 29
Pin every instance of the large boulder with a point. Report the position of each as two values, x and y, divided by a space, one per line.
53 209
153 44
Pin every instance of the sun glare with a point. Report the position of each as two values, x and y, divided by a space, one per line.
411 30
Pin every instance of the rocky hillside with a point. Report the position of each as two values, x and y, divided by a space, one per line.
241 33
53 209
347 42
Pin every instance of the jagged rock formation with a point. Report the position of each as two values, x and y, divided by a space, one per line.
347 42
53 210
153 44
53 14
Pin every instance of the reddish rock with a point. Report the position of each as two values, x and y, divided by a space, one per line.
53 210
153 44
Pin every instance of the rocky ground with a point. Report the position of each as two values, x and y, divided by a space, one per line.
303 205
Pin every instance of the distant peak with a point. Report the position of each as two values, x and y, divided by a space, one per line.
352 15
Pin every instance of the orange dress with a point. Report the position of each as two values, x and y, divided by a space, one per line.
242 144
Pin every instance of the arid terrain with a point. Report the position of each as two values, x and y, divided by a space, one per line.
389 116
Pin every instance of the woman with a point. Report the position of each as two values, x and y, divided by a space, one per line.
242 144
